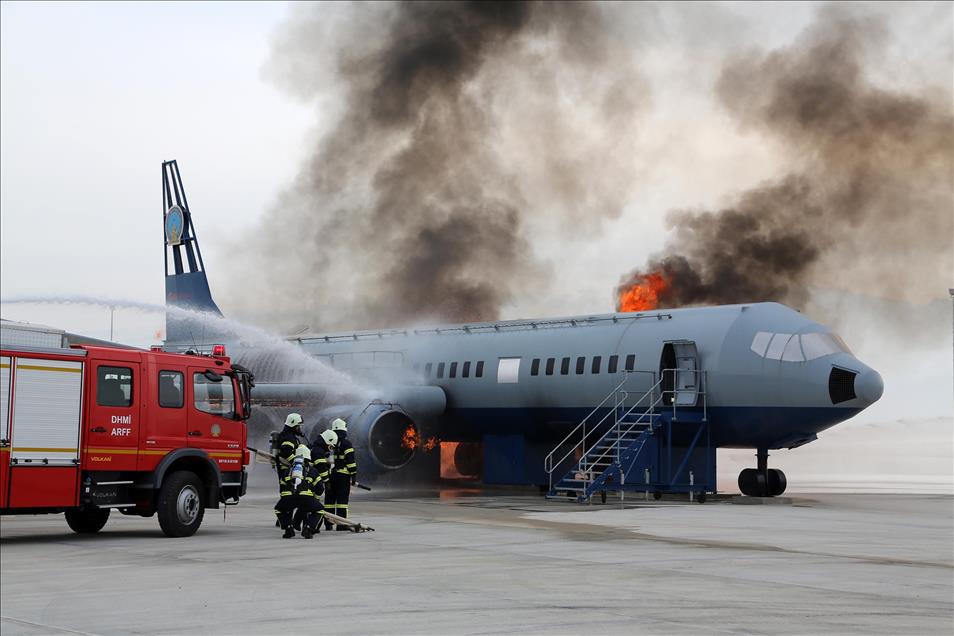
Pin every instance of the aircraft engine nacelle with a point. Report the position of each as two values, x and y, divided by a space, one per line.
386 431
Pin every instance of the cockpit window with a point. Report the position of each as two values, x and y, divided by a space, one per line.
760 342
817 345
777 345
785 346
793 351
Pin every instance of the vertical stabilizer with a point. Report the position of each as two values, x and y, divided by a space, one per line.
186 283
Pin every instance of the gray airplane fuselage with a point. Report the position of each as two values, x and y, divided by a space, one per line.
772 377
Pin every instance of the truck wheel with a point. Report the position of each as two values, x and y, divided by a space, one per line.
87 520
180 505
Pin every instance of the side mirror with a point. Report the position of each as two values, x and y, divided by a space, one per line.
212 376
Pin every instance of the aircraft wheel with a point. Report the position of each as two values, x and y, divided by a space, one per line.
776 482
752 483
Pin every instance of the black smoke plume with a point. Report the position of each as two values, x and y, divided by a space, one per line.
866 203
461 123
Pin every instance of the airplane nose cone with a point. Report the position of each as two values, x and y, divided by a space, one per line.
869 386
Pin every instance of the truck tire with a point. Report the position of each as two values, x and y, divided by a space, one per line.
180 506
87 520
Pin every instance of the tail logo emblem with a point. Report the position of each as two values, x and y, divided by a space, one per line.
175 221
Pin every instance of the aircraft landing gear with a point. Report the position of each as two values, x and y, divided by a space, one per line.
762 481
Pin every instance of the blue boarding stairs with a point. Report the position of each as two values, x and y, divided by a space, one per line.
652 440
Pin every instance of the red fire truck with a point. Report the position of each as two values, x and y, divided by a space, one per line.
86 429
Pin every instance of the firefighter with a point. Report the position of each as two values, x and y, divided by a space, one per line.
320 454
344 474
288 441
320 449
297 496
285 444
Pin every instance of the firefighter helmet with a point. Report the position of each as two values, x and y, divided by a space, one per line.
339 425
303 451
330 438
293 420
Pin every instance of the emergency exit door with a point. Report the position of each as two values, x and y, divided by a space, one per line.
679 366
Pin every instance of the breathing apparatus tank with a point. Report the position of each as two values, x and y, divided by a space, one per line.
297 474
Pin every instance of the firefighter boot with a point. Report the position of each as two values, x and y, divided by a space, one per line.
306 532
289 533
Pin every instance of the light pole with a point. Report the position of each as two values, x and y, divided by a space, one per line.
112 308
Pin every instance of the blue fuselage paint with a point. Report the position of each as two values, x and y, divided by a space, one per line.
753 397
746 427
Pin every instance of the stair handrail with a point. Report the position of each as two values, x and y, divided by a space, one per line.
650 412
701 389
549 466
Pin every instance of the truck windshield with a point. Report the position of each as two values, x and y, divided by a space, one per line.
213 397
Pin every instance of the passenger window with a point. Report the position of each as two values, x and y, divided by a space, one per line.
453 370
630 362
565 366
480 369
508 370
171 395
114 386
465 372
216 398
427 369
613 363
597 360
550 362
535 367
440 370
580 365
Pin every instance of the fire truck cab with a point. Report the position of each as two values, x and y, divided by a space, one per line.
88 429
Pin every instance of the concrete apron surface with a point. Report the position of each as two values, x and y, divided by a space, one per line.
480 562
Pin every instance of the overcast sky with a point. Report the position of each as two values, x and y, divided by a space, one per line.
93 96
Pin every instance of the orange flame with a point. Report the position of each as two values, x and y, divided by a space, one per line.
409 439
643 294
412 439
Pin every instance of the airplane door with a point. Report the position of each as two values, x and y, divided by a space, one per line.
679 366
4 428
